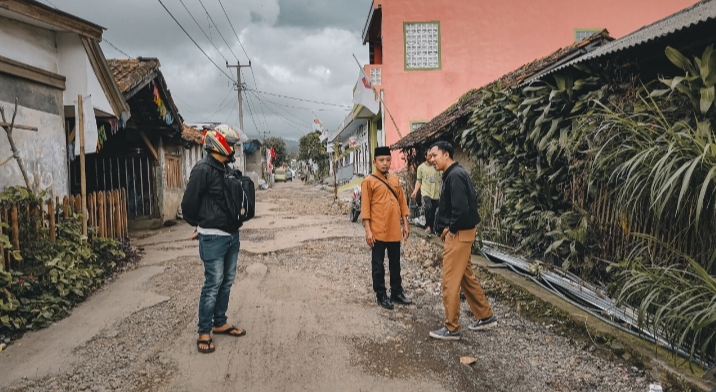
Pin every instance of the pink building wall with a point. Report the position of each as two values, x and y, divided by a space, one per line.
483 40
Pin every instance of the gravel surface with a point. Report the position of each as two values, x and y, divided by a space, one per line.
520 355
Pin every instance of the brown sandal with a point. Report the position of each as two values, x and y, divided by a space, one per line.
208 343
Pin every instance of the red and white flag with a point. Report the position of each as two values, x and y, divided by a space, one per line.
364 94
318 126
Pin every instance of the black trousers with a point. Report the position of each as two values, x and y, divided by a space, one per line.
377 258
430 207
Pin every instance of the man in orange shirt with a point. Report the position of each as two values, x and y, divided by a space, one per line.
383 206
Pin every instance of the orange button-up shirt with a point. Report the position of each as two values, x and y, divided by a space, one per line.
380 207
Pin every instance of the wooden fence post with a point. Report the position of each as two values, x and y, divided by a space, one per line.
101 214
125 209
110 213
15 228
51 217
117 215
3 219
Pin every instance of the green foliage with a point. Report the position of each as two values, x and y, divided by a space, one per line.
676 297
311 147
53 276
279 146
532 140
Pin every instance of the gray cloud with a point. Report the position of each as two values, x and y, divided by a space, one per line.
300 49
344 14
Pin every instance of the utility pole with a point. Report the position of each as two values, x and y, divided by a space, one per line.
239 88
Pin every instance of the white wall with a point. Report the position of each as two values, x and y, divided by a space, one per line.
44 152
28 44
74 64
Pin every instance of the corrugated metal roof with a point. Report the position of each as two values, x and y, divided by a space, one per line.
696 14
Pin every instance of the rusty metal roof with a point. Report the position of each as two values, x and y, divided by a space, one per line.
698 13
132 73
459 112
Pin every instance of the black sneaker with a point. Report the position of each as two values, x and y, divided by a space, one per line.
445 334
400 299
384 301
487 323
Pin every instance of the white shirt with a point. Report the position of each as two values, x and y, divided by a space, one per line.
204 231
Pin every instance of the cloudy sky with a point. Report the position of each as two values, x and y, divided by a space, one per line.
298 48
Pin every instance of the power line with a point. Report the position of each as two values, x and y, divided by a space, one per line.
251 114
302 99
263 114
188 106
288 121
116 48
197 45
234 30
229 116
220 107
284 110
202 30
218 31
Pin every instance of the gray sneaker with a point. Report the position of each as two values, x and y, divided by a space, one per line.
445 334
487 323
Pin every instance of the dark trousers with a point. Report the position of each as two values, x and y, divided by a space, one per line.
430 207
377 257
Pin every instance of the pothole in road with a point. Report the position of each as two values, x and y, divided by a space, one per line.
256 235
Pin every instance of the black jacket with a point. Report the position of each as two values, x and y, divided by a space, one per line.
205 203
457 208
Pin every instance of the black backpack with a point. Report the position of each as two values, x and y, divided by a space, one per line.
239 192
240 195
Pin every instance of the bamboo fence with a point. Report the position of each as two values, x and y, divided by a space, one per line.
107 218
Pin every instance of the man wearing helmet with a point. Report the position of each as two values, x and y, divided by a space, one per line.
205 206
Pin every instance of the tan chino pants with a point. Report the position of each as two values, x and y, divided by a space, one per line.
457 273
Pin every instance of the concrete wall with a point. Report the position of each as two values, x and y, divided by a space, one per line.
28 44
190 157
253 162
483 40
462 157
81 79
44 152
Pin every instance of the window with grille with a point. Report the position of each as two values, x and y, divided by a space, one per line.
580 34
422 45
172 169
375 76
416 124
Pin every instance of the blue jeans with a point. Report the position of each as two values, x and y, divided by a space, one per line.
220 256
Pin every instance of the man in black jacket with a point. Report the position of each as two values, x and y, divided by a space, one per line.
456 220
205 206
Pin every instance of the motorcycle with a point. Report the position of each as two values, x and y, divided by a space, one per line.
355 204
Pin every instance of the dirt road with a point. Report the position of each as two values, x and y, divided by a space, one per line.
304 295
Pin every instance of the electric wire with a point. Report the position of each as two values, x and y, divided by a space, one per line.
303 99
116 48
234 30
195 43
261 105
221 106
266 130
229 116
251 106
202 30
217 30
251 114
287 120
267 101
